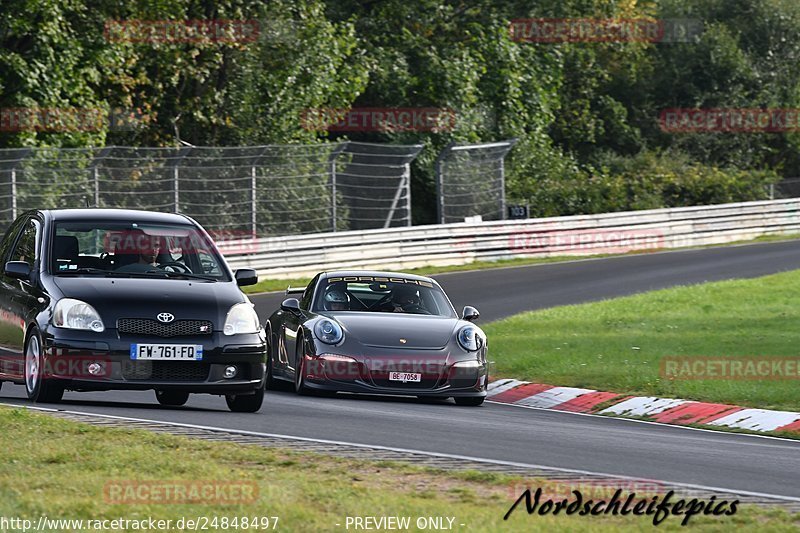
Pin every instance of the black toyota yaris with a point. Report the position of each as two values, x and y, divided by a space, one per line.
104 299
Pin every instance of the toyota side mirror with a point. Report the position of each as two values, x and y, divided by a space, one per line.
291 305
18 270
470 314
246 276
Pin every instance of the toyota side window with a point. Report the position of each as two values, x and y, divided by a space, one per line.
10 237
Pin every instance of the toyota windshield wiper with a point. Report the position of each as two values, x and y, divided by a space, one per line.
83 270
173 274
106 273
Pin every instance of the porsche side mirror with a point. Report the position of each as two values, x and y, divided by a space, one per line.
18 270
470 314
246 276
291 305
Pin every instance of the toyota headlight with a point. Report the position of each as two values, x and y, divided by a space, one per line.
75 314
328 331
470 339
241 318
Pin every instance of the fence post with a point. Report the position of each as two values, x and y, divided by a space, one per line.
176 187
95 168
403 187
332 161
253 202
407 176
333 194
183 152
397 194
503 214
439 183
13 193
96 174
511 143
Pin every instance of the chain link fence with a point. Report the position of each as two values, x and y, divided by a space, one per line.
786 188
470 181
373 182
254 190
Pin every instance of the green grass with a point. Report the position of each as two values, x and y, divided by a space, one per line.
268 285
617 345
59 469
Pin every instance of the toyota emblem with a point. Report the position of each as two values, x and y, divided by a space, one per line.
165 317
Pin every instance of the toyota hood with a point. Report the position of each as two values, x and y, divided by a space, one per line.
116 298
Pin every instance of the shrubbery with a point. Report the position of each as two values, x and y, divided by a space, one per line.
646 181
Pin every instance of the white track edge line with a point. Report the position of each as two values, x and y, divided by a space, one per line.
419 452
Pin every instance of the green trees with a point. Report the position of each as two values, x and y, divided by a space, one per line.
586 113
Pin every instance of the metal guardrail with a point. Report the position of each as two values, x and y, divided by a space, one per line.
461 243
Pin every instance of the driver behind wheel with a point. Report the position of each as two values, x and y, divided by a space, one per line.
404 299
146 250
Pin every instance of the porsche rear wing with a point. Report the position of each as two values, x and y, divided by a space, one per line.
295 290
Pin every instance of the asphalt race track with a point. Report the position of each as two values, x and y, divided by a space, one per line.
508 433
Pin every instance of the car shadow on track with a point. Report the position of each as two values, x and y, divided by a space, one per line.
77 403
349 396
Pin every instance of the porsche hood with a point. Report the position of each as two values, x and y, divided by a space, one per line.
397 330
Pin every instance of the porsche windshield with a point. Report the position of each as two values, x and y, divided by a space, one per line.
397 296
134 249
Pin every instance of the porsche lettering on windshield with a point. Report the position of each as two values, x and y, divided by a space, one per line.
383 295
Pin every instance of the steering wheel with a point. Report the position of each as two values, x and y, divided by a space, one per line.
175 266
379 302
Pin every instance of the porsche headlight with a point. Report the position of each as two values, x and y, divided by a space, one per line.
75 314
328 331
241 318
470 339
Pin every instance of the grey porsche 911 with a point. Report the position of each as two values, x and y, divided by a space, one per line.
377 333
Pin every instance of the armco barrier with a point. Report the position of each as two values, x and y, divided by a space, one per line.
463 243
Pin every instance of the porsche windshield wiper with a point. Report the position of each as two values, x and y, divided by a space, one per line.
171 274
